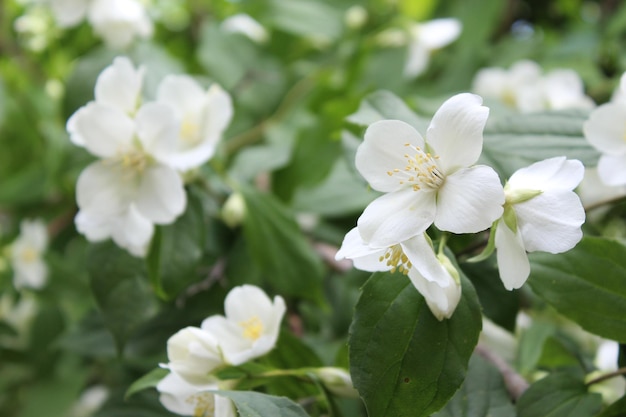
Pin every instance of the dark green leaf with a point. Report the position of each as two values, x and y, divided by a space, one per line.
558 395
403 361
586 284
149 380
120 285
617 409
310 18
255 404
483 393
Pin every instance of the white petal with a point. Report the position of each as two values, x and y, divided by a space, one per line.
75 134
33 274
245 301
418 57
35 233
133 232
157 130
118 21
438 33
564 89
68 13
181 92
491 82
95 227
396 217
442 301
593 190
103 190
119 85
513 263
364 257
605 130
612 169
246 25
551 174
551 222
383 150
160 194
424 260
455 133
104 130
470 200
179 396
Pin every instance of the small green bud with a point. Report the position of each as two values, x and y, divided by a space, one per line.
519 196
234 210
447 264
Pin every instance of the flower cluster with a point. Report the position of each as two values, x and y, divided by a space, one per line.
525 88
143 147
249 330
435 181
118 22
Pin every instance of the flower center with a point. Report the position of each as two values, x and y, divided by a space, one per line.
252 328
204 404
189 130
134 161
421 170
28 255
396 259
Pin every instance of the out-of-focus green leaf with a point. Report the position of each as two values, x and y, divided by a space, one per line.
309 18
516 141
120 285
143 404
585 284
381 105
417 10
531 345
558 395
157 62
403 361
617 409
177 250
256 404
483 393
279 249
149 380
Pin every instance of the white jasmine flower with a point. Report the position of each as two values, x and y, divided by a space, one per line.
432 275
605 131
180 397
68 13
202 117
29 267
564 89
19 315
246 25
193 354
90 401
426 37
542 213
251 324
593 191
432 180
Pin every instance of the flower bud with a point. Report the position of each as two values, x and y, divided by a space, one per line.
355 17
234 210
337 381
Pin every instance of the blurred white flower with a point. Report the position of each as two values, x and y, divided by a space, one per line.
180 397
432 180
133 185
542 213
592 190
432 275
606 360
337 381
19 315
524 87
250 326
202 117
426 37
246 25
29 267
355 17
605 131
193 354
90 401
117 22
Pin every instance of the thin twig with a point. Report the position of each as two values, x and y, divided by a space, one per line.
620 371
515 383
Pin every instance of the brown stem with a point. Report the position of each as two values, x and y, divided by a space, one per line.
620 371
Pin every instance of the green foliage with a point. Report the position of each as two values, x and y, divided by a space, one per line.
255 404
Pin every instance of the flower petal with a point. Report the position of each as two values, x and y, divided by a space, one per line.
102 190
95 228
470 200
438 33
104 130
181 92
119 85
603 129
442 301
550 222
553 174
383 150
513 263
423 258
455 133
160 196
418 57
133 232
364 257
612 169
396 217
157 130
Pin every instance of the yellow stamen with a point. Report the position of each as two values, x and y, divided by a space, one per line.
252 328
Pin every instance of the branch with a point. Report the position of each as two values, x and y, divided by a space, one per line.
515 383
620 371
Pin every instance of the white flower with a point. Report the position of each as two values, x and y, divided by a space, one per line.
133 186
251 324
90 401
69 13
605 131
337 381
593 191
193 354
29 267
542 213
432 275
202 117
429 181
246 25
426 37
563 89
19 315
185 399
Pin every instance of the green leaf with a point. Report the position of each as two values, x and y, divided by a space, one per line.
309 18
531 345
120 285
483 393
617 409
279 248
516 141
381 105
586 284
558 395
403 361
177 250
149 380
255 404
